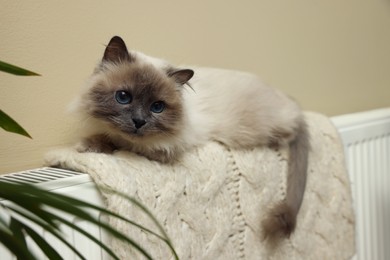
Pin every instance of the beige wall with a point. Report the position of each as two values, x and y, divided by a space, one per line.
332 56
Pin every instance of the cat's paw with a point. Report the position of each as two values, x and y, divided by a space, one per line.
96 144
162 156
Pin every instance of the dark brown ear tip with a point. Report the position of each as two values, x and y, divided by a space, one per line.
117 39
190 73
181 76
116 51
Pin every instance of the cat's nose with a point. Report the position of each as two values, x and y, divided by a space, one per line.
139 122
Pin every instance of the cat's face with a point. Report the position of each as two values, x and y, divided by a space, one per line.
135 98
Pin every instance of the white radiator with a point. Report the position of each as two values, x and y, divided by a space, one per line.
78 185
366 138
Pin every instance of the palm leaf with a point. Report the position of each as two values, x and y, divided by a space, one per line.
17 231
6 122
6 67
15 246
18 228
46 248
164 236
63 202
10 125
48 228
73 207
32 204
68 200
109 229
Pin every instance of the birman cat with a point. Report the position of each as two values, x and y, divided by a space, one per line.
146 105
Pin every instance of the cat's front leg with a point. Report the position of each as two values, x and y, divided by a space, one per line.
99 143
162 156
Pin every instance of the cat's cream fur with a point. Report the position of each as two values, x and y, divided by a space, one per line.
234 108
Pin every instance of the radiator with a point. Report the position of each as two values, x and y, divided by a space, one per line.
366 139
78 185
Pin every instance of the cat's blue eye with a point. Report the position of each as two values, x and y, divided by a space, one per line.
123 97
157 107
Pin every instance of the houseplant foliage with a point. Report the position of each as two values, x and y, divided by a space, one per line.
27 206
6 122
31 204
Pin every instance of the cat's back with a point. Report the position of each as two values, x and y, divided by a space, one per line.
224 90
237 106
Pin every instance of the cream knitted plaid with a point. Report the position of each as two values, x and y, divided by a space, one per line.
211 202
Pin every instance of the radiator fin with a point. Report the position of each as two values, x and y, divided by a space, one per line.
38 175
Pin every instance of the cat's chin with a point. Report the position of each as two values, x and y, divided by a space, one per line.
138 133
129 133
135 135
132 136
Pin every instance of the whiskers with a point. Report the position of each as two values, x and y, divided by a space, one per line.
88 122
189 85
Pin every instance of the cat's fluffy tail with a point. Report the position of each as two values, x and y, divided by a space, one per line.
281 219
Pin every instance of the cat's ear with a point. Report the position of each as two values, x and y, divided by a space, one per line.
181 76
116 51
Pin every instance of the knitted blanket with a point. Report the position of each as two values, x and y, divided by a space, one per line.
212 201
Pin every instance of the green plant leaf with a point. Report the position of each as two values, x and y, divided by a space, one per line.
46 248
6 122
66 201
9 68
10 125
65 204
33 201
14 246
17 231
92 238
164 236
47 228
72 206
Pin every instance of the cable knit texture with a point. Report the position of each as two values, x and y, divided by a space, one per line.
212 201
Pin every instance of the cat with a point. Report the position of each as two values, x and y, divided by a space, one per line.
145 105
